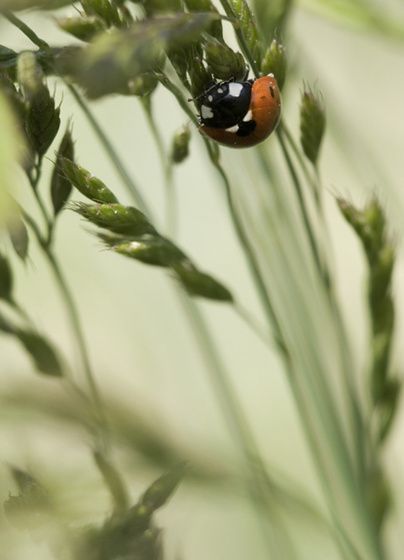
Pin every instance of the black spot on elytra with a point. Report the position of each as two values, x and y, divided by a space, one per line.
271 89
246 128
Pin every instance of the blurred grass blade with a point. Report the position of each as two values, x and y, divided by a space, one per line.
11 145
112 479
360 15
160 491
18 233
17 5
6 279
41 351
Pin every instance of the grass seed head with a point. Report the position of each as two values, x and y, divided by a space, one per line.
312 123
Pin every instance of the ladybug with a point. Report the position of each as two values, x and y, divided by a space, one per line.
240 114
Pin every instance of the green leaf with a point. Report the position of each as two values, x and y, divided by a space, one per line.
41 352
6 279
18 233
5 326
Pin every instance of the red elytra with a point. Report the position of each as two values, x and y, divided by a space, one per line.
264 110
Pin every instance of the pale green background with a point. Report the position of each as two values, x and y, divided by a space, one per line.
141 348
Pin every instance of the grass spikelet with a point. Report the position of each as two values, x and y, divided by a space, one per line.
312 123
60 184
247 31
116 218
370 226
87 184
275 62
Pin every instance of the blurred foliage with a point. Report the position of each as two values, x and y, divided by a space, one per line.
362 15
10 151
132 48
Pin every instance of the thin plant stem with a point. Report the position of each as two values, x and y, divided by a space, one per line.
254 325
45 244
309 177
306 220
71 308
76 324
256 472
327 421
171 221
168 84
252 261
120 497
112 153
347 363
118 492
227 398
273 322
24 28
360 437
70 305
240 37
337 455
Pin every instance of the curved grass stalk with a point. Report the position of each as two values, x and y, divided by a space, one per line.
326 416
357 422
121 498
171 221
255 469
354 495
112 153
100 432
332 430
259 482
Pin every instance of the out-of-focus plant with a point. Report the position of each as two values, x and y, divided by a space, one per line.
133 48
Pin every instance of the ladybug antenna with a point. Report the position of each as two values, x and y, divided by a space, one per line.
210 85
